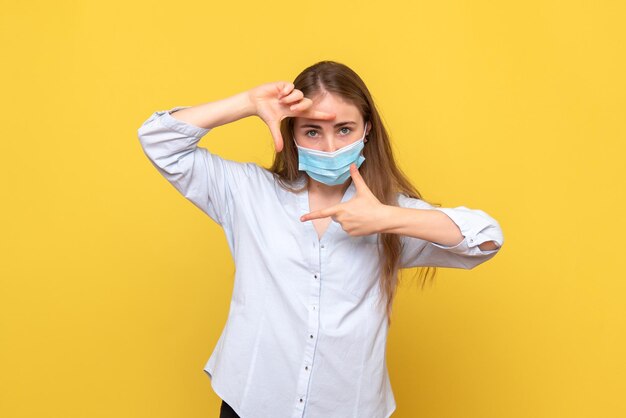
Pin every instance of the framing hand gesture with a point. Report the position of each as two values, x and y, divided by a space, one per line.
275 101
361 215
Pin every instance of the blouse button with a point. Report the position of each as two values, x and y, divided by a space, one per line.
311 335
306 367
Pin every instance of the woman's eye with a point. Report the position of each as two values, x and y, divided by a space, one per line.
340 129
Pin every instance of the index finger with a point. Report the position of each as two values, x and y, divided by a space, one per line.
322 213
318 114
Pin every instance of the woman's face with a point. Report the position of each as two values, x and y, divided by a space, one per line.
330 135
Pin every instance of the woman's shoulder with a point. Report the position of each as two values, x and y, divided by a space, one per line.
407 201
260 175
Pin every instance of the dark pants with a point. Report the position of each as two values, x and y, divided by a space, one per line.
226 411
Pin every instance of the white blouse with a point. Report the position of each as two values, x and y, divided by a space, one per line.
304 335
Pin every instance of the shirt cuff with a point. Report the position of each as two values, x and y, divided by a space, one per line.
177 125
476 227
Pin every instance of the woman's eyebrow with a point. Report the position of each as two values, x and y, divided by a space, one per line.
349 122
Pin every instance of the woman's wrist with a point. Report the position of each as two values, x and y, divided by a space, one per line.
247 104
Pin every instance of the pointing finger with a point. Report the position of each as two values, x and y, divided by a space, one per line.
323 213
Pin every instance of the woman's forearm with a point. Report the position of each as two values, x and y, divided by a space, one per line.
220 112
427 224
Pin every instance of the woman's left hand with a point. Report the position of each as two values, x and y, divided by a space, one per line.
361 215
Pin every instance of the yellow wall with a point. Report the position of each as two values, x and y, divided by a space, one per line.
114 288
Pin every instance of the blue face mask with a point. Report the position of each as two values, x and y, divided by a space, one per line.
331 168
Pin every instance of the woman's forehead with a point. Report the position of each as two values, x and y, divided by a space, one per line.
332 103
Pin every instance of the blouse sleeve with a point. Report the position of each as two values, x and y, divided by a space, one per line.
205 179
475 225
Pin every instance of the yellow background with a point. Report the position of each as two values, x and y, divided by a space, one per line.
114 288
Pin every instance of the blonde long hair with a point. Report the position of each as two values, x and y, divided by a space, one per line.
379 170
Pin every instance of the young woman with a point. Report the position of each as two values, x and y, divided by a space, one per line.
317 239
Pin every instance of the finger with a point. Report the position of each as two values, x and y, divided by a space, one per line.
278 138
294 96
323 213
359 183
284 88
301 105
318 114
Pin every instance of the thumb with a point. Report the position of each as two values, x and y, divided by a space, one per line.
278 138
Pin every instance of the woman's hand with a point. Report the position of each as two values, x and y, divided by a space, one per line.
277 100
361 215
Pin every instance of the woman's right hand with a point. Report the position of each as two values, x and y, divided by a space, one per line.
277 100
